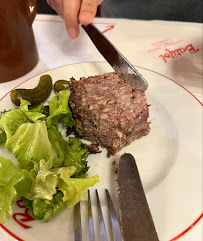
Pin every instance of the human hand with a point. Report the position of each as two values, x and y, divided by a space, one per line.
75 12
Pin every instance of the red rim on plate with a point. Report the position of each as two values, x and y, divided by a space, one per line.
184 231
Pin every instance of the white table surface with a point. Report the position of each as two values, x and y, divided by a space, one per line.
143 43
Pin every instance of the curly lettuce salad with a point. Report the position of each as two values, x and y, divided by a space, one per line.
52 172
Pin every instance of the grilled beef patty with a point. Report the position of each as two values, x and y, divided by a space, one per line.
109 111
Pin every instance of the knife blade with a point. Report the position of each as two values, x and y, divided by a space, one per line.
135 216
113 56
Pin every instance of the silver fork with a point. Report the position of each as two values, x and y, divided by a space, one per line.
114 221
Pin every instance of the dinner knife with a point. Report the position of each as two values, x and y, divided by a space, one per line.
135 216
113 56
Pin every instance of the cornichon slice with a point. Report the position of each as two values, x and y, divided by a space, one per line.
61 85
35 96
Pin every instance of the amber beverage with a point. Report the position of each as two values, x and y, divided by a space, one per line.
18 51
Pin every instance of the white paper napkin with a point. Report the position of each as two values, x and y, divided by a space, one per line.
173 49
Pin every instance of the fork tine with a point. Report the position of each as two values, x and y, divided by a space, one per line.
91 226
77 223
101 219
114 218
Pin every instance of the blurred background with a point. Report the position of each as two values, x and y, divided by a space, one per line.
174 10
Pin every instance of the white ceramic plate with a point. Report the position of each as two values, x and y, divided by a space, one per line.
169 159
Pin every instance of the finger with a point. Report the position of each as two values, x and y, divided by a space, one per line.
88 11
99 2
71 10
57 5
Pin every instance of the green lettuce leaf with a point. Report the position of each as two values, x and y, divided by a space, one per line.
24 185
39 108
11 120
9 177
34 114
76 155
59 110
30 144
45 210
44 183
66 172
74 189
59 145
68 192
2 137
3 112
